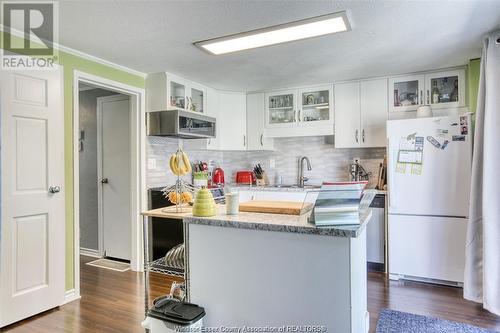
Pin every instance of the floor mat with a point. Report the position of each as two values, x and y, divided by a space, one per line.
391 321
110 264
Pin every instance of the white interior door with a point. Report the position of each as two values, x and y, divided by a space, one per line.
32 194
114 174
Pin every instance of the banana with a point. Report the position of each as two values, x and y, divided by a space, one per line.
174 165
180 164
187 163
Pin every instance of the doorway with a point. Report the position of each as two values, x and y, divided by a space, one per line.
104 155
118 175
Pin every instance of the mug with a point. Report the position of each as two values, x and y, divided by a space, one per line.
232 203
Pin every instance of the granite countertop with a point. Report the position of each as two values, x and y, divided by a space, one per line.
271 188
279 222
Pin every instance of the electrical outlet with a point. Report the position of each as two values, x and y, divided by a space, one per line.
151 163
272 163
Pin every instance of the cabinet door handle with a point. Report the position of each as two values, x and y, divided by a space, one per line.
421 97
357 139
428 99
244 140
299 116
262 139
363 135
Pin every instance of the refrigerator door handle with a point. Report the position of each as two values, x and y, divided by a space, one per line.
391 189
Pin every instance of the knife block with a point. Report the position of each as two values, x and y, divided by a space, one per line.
262 181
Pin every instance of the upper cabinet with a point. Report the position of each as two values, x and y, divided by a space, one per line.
232 121
281 109
316 106
299 112
256 140
361 113
444 89
166 91
406 92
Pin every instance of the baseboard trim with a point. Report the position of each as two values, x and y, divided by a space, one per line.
70 296
90 252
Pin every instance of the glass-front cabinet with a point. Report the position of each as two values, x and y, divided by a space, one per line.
406 93
186 95
445 89
315 105
301 107
177 94
197 99
281 108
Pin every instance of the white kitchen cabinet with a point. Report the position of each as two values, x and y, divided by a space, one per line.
212 102
373 111
406 93
347 115
281 109
445 89
360 113
256 140
299 112
441 89
232 121
166 91
315 106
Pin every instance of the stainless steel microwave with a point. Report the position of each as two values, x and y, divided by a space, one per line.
181 124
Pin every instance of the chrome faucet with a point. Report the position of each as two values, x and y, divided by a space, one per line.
303 179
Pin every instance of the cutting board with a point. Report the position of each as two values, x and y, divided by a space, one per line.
276 207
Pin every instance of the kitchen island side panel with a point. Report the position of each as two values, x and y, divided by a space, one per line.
265 278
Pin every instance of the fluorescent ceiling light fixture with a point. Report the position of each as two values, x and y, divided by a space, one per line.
312 27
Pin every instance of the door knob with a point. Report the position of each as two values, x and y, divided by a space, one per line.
54 189
104 181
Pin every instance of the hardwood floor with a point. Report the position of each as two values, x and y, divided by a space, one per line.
113 302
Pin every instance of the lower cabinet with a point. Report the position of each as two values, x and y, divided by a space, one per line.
361 109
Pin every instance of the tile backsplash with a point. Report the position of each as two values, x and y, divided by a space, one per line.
328 163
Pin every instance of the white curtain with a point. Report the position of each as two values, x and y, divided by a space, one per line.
482 261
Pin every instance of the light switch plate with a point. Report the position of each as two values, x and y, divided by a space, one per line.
151 163
272 163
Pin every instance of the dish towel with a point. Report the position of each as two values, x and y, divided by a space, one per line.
482 259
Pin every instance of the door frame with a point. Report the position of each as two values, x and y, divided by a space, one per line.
138 170
100 206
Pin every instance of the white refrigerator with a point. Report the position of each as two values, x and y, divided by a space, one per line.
429 168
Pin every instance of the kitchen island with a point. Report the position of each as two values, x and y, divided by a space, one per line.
270 271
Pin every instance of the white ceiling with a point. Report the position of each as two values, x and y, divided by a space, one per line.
387 37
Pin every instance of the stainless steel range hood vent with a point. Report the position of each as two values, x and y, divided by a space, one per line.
180 124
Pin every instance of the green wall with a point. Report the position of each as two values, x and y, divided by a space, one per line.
474 71
71 63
